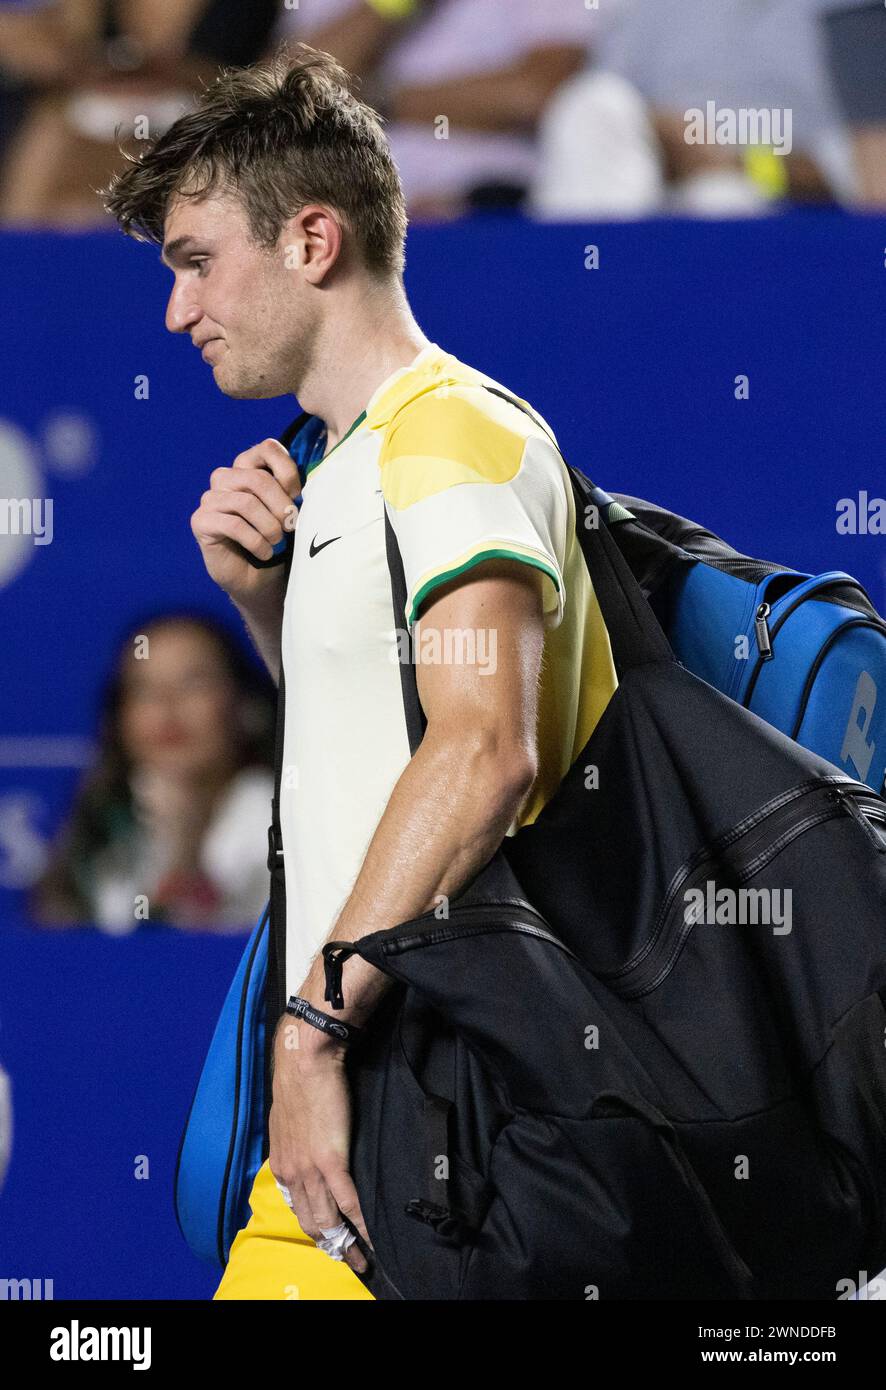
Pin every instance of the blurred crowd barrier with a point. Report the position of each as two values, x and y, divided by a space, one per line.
706 367
561 108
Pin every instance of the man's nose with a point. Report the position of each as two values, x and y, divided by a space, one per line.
181 311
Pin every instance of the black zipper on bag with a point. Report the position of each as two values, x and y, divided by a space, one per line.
772 632
475 919
832 797
763 635
864 810
767 833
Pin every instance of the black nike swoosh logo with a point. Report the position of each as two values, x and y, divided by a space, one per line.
314 548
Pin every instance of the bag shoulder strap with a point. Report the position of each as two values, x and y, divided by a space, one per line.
635 635
275 987
415 715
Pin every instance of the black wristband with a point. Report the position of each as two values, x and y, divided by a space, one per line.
344 1032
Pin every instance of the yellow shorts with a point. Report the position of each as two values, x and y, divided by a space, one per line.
273 1258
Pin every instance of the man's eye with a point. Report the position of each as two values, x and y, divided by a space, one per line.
199 262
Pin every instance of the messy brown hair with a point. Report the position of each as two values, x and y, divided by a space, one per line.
279 135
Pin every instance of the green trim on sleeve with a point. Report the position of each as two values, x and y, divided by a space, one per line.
497 554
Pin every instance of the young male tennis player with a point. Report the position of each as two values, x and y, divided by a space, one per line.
281 217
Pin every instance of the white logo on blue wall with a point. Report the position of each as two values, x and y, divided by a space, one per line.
69 447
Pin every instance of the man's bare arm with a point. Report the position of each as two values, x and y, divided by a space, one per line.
512 98
263 616
455 800
446 816
357 38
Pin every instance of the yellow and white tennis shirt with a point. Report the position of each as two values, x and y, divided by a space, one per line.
465 476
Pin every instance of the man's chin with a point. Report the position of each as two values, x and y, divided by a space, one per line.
240 390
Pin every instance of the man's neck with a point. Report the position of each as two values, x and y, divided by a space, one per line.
357 354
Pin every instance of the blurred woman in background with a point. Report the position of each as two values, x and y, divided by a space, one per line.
81 78
170 826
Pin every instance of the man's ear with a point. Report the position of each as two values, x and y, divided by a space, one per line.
312 242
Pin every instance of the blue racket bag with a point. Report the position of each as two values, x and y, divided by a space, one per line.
221 1149
225 1138
805 652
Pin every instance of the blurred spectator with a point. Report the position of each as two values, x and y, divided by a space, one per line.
35 40
614 141
563 107
601 155
83 76
856 46
461 83
171 823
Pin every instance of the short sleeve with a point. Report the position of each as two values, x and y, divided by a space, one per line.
463 482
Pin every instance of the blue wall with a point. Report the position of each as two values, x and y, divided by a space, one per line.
633 365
